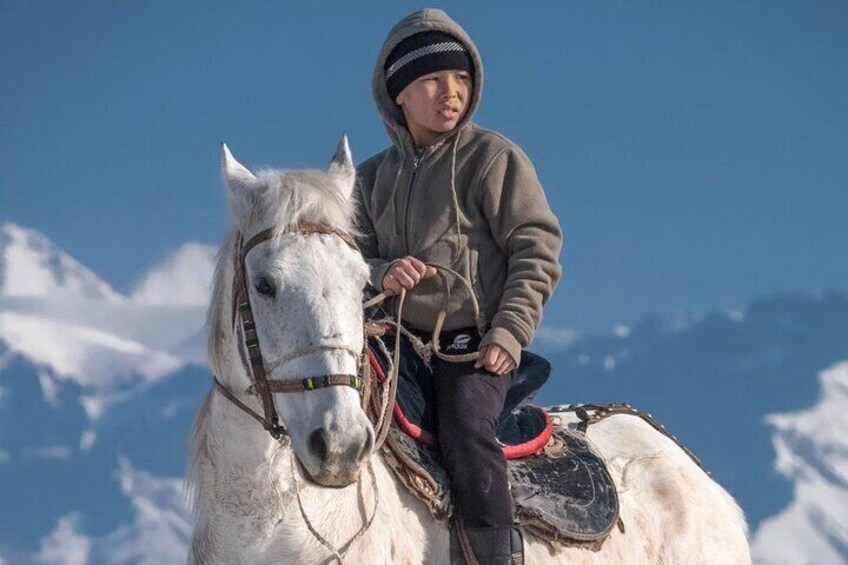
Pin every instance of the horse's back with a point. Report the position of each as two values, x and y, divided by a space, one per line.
671 510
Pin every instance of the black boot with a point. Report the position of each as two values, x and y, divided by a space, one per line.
502 545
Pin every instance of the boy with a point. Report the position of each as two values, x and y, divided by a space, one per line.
451 193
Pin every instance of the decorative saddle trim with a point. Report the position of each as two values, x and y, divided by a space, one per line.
416 432
563 495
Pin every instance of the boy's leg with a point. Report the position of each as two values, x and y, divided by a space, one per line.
468 403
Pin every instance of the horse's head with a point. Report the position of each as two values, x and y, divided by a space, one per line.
305 292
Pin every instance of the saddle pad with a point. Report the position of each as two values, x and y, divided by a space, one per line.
562 495
565 491
522 430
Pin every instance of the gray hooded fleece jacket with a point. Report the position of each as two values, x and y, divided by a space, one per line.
470 201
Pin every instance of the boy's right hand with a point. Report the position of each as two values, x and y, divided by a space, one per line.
406 272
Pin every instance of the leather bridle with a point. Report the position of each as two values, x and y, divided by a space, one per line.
251 354
242 312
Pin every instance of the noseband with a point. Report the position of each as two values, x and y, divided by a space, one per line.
253 363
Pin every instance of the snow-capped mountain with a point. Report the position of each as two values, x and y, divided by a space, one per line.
33 267
93 382
77 329
98 389
812 453
743 390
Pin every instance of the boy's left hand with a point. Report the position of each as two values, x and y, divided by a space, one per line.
495 359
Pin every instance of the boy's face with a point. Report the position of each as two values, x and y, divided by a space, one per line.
434 103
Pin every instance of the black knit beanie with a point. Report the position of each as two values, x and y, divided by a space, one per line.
422 53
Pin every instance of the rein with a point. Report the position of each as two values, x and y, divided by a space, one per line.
442 272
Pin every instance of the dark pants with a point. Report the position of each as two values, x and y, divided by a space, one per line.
468 404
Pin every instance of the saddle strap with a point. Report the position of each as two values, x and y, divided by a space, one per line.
464 542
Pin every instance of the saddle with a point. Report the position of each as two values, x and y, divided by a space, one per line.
561 488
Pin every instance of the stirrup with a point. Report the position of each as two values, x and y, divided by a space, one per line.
500 545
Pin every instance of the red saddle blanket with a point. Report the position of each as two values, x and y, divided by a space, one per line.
523 429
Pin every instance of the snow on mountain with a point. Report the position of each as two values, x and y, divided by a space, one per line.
73 350
62 317
59 464
32 266
88 355
812 451
161 525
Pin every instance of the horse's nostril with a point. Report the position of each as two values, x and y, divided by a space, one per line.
318 444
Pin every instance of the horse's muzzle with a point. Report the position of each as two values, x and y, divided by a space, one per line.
339 456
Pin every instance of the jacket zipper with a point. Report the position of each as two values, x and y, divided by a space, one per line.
415 163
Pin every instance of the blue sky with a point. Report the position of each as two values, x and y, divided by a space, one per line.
695 153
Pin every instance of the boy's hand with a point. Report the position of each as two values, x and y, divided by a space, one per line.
495 359
406 273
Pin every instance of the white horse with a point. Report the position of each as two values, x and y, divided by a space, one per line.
258 500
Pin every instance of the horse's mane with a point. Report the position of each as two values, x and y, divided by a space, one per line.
285 197
300 195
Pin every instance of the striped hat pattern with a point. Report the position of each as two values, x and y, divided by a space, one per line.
423 53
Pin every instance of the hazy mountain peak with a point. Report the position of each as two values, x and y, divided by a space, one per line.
32 266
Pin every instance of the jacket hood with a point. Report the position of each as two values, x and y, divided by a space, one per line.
428 19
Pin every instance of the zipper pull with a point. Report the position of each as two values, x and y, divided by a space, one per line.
417 159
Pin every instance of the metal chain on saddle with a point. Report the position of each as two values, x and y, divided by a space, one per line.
593 413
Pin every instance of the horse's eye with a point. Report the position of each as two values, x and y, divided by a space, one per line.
263 286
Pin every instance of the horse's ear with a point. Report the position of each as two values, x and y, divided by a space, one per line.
236 175
244 187
342 166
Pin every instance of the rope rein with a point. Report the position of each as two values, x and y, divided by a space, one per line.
384 423
441 272
340 553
